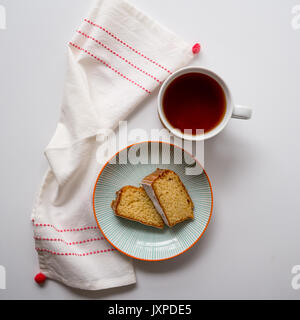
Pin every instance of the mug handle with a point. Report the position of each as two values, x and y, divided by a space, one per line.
242 112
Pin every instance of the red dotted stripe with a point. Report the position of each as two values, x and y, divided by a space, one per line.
109 66
68 243
74 253
127 45
119 56
64 230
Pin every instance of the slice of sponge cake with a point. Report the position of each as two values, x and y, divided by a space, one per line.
134 204
169 196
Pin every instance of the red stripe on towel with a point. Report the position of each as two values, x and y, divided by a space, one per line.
109 66
74 253
119 56
127 45
68 243
64 230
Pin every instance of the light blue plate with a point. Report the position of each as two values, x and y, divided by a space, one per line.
135 239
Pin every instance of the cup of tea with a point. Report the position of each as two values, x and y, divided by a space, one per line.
196 104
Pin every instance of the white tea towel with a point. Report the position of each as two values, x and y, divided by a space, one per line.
117 57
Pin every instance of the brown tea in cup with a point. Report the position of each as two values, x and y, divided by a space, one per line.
194 101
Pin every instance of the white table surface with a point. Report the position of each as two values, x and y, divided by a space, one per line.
253 240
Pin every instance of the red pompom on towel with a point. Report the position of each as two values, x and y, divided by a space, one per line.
40 278
196 48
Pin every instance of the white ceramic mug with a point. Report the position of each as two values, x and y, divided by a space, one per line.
232 111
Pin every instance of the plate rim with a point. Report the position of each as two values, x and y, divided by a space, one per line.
162 259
